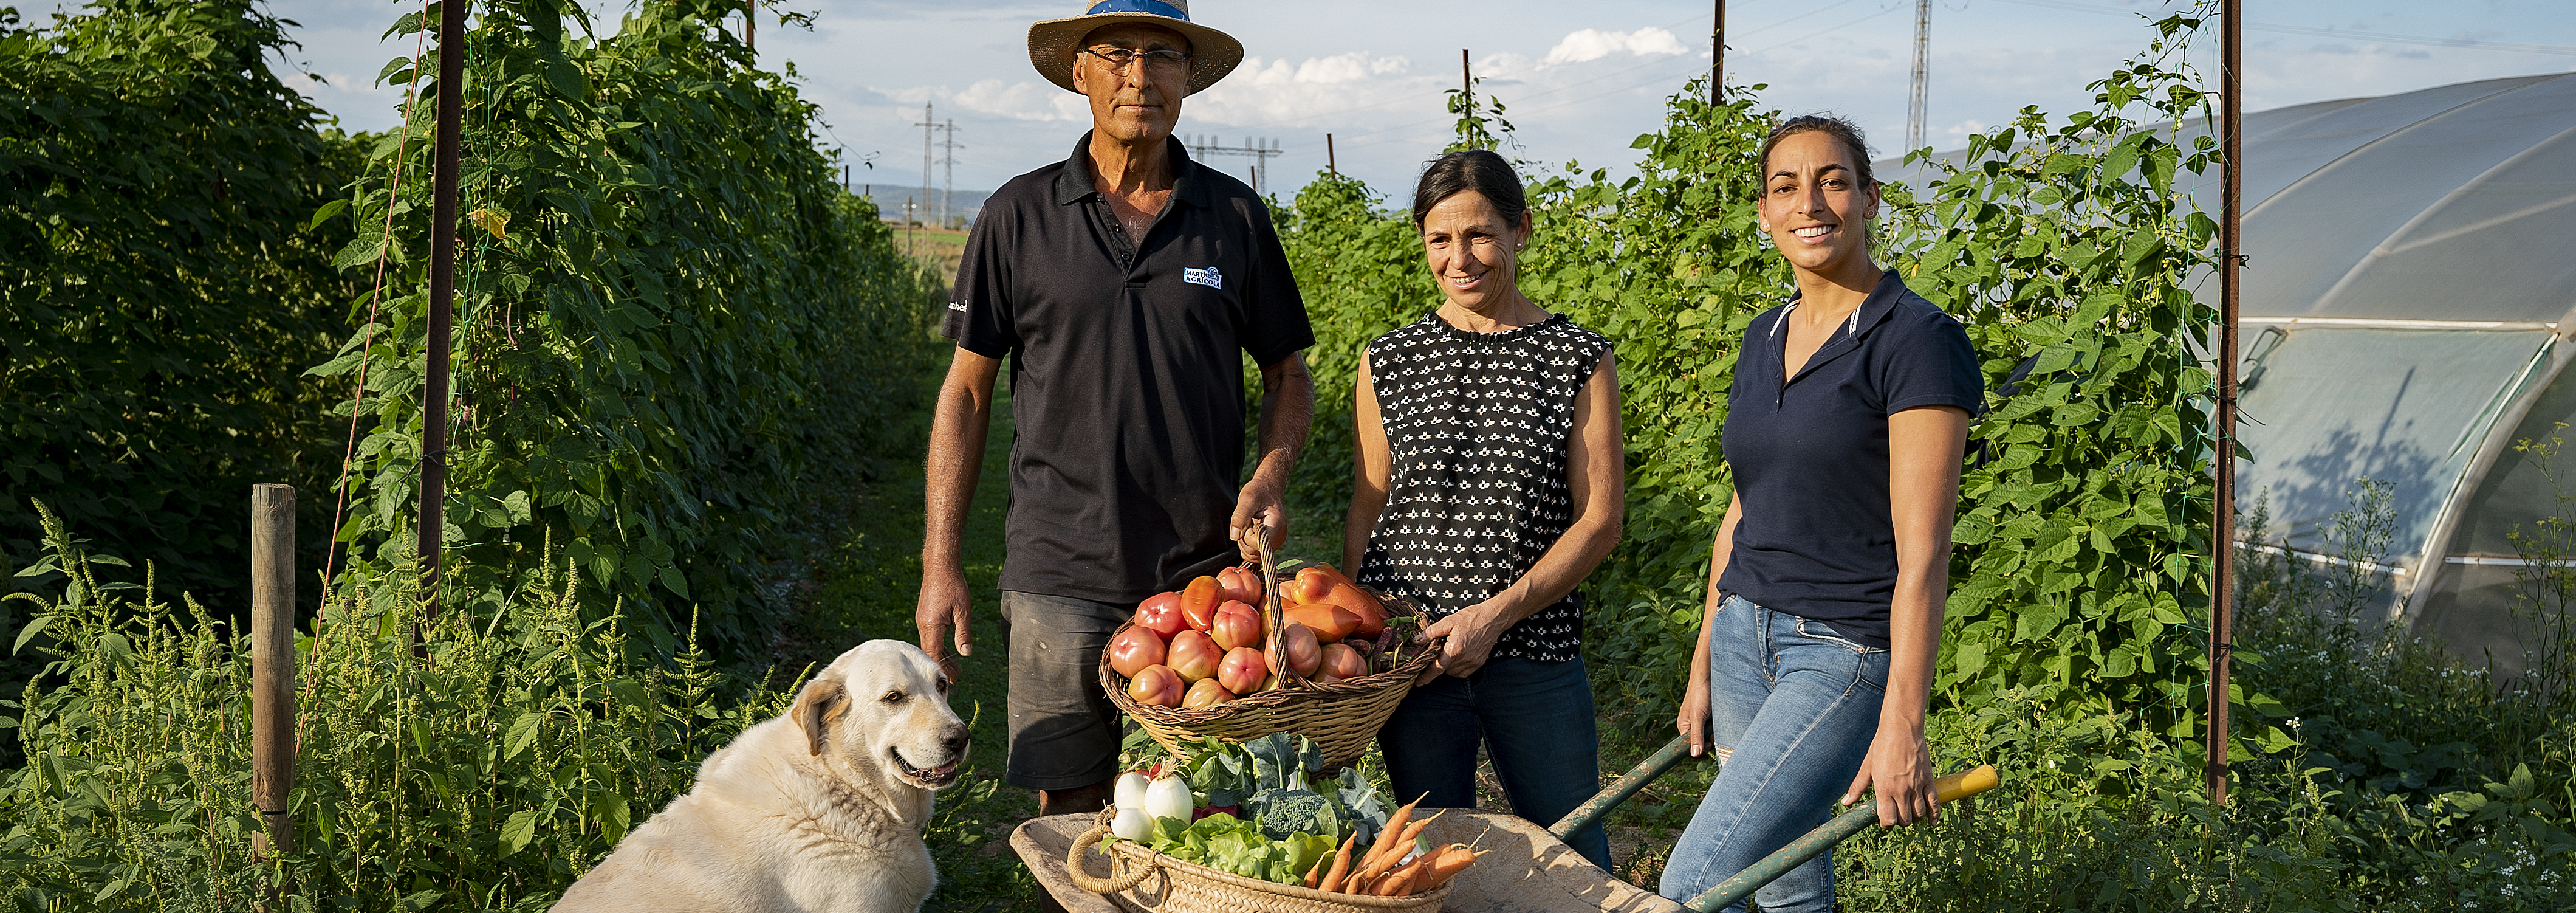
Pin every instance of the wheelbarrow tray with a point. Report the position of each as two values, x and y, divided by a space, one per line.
1528 871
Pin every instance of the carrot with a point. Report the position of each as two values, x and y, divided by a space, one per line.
1375 873
1394 825
1451 860
1341 865
1397 883
1316 872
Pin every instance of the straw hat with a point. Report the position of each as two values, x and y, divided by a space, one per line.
1053 43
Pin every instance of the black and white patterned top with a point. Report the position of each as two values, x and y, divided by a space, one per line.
1478 429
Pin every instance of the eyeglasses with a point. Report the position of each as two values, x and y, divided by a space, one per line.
1155 61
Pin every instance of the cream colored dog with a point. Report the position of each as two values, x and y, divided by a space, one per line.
818 811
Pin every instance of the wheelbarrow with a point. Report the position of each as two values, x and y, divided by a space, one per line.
1530 868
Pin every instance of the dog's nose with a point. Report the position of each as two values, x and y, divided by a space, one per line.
956 740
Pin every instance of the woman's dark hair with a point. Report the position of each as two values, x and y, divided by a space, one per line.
1479 170
1827 124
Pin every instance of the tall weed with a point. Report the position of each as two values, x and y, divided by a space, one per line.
485 777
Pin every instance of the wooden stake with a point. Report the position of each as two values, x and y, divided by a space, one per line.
1330 163
2222 589
272 665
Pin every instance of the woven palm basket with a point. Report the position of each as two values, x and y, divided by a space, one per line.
1342 717
1143 881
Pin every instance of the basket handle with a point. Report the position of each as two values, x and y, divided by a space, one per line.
1115 883
1274 617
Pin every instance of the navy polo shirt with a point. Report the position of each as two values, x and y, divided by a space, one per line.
1126 370
1810 455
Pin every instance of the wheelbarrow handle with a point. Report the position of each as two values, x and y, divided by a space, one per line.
1593 809
1742 884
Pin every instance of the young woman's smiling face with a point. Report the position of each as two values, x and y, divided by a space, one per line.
1814 204
1472 252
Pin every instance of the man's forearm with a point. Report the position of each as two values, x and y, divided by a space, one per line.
958 428
1287 416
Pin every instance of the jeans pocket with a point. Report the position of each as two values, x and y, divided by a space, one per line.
1869 664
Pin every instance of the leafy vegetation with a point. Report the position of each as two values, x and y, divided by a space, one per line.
666 308
160 287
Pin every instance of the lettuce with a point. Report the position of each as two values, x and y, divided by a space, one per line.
1230 844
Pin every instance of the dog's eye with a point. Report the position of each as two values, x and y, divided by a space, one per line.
943 686
893 697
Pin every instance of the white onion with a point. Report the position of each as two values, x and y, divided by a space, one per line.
1132 823
1131 790
1169 797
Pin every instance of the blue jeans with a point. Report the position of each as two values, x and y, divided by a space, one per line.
1537 724
1792 708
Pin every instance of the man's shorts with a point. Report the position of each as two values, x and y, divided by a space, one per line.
1063 730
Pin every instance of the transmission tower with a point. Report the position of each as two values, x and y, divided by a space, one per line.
1260 151
928 126
1922 73
948 163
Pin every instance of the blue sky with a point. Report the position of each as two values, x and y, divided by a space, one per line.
1581 79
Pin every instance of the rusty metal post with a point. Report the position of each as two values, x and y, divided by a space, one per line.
430 535
1717 57
2222 589
272 666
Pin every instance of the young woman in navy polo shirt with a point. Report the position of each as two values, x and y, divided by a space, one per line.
1845 429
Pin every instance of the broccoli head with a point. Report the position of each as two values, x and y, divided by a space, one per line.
1281 813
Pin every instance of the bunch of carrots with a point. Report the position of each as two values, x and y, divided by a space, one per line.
1378 872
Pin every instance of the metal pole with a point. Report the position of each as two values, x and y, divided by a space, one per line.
1861 817
430 537
1717 57
2222 589
272 666
1922 73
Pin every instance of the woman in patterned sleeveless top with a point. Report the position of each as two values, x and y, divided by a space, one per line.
1489 483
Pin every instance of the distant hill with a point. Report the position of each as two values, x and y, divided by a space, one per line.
891 198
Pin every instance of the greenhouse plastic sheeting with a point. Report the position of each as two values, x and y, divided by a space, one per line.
2450 203
2328 406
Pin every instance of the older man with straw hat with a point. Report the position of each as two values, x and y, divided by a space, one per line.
1125 284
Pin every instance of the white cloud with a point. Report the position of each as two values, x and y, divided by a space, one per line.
1027 100
1280 91
1593 44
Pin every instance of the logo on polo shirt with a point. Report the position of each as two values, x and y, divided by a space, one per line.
956 306
1207 277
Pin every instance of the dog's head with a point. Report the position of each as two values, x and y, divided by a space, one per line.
884 702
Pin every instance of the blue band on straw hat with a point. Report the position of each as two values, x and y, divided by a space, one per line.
1053 43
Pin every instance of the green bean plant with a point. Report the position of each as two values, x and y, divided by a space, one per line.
666 308
161 289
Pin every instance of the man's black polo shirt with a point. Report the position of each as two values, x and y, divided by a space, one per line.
1126 384
1810 455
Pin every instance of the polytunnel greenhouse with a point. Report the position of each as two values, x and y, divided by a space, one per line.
2407 292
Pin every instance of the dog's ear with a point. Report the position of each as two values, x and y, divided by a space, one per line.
817 707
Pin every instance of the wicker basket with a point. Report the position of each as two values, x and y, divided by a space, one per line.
1342 717
1144 881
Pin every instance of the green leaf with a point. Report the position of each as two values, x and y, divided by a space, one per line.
523 732
34 626
516 832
